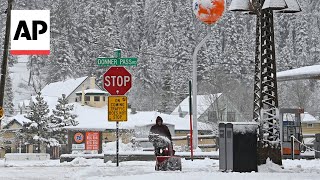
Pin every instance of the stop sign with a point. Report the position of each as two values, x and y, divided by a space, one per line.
117 80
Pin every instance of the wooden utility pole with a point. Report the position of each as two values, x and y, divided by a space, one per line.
5 55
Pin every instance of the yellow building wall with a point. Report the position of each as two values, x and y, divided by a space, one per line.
97 104
184 143
15 126
310 130
111 136
8 135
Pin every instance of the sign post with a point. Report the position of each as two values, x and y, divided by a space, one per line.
117 81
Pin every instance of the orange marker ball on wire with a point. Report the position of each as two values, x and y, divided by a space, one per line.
208 11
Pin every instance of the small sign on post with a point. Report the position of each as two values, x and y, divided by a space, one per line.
117 60
117 108
104 61
92 140
117 111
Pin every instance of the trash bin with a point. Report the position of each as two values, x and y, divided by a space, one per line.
238 147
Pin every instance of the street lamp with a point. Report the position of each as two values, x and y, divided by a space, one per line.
208 12
265 106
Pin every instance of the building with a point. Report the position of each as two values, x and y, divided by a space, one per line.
90 106
93 119
11 139
211 108
91 93
309 124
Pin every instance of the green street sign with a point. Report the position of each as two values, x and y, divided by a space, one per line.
103 61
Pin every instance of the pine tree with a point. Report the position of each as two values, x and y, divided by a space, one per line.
61 118
8 97
36 130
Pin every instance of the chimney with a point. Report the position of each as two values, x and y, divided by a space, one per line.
82 95
92 82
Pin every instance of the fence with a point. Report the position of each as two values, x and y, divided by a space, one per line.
183 140
312 147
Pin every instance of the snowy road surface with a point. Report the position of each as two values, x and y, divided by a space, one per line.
140 170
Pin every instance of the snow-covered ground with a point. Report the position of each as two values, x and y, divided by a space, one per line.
81 168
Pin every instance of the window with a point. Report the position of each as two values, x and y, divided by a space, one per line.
76 100
104 98
96 98
87 98
231 116
212 116
310 125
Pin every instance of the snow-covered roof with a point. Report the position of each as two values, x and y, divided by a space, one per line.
203 103
307 72
19 118
92 91
62 87
96 118
52 101
306 117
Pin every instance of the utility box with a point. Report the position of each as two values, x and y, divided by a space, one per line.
317 145
238 147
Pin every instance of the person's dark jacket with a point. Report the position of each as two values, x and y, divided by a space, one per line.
162 130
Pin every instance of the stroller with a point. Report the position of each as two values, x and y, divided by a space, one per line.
165 159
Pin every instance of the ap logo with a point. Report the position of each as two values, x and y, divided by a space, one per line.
30 32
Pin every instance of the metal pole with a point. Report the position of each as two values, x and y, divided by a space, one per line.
117 151
292 147
5 54
20 147
190 112
194 89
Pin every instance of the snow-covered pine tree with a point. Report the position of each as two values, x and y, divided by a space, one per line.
61 118
8 97
35 131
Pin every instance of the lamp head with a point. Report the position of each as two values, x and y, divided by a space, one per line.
241 5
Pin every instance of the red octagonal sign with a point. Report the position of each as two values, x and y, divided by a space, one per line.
117 80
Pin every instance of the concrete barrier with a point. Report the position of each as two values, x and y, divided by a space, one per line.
70 157
26 156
